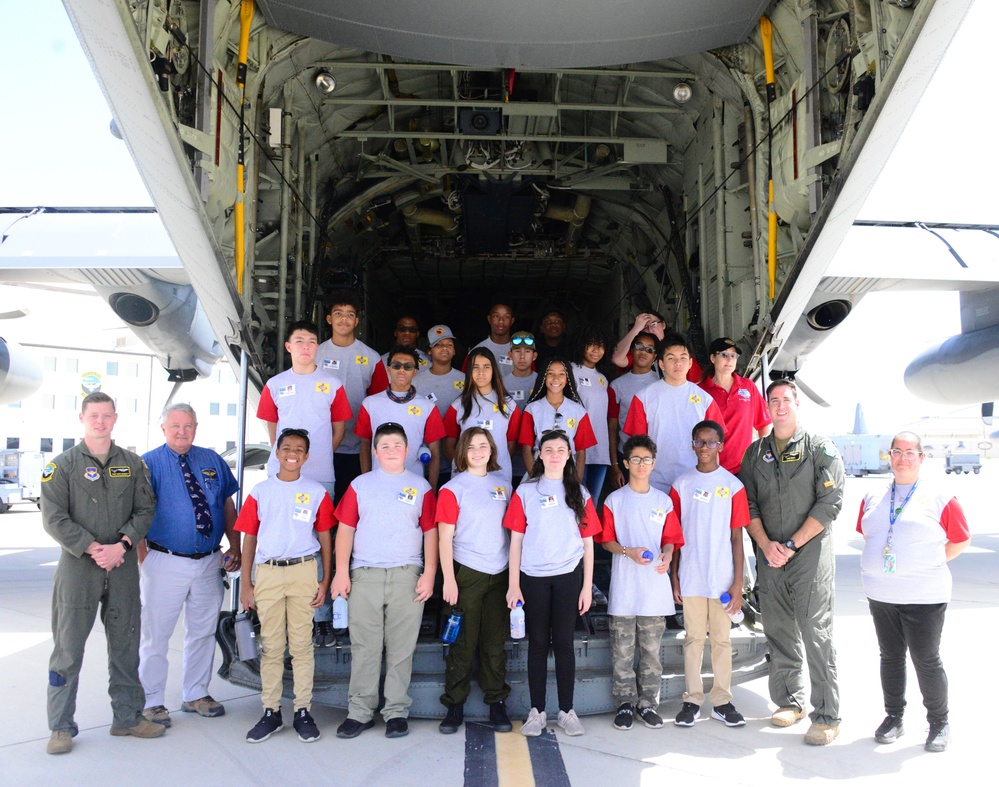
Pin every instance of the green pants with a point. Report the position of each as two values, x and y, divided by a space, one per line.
486 623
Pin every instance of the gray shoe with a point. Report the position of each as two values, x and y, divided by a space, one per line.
144 729
206 706
537 723
61 742
569 722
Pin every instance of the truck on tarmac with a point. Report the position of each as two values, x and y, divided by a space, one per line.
20 477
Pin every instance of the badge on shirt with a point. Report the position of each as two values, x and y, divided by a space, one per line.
303 498
414 409
331 363
506 360
828 484
485 423
603 382
791 456
721 491
422 362
517 396
829 450
499 493
408 496
496 408
702 495
91 474
548 501
208 472
361 360
657 515
743 393
695 399
322 387
286 390
302 514
459 385
48 471
119 472
571 422
432 397
585 382
768 456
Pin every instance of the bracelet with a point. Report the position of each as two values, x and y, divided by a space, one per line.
624 550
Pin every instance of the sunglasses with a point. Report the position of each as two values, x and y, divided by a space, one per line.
295 432
397 365
407 329
527 341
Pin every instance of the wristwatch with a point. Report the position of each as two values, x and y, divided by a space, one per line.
125 544
790 545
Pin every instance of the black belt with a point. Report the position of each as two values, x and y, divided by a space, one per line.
291 561
157 548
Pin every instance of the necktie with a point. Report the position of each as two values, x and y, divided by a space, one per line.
202 514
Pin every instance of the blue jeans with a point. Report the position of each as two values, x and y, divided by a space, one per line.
324 613
593 480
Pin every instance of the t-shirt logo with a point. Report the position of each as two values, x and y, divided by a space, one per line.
496 408
695 399
408 496
302 514
322 387
286 390
743 393
548 501
414 409
459 385
361 360
331 363
702 495
657 515
768 456
485 423
571 422
422 362
603 382
91 474
499 493
303 498
721 491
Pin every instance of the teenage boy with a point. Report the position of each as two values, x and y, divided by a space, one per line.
401 404
405 334
441 383
641 516
386 531
286 521
500 319
519 384
311 398
622 391
713 510
359 369
666 411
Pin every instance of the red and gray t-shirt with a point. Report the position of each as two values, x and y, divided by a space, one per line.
485 412
475 505
592 389
441 389
418 416
362 374
285 517
539 416
619 397
390 512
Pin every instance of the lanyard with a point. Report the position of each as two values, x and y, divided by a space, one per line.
894 513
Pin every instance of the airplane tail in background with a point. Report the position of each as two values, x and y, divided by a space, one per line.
859 422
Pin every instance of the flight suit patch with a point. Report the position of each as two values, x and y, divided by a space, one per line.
827 484
791 456
122 472
91 474
768 456
48 471
830 450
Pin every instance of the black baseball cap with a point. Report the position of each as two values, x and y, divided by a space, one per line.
722 344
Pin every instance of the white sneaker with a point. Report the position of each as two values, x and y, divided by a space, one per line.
569 722
537 723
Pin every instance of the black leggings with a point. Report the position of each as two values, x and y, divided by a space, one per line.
551 607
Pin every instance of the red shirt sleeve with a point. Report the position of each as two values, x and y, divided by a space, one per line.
584 437
347 512
248 520
379 379
608 533
266 409
427 521
674 496
695 373
433 429
672 532
325 518
451 428
613 407
637 422
740 509
954 522
860 517
340 409
591 522
362 427
447 508
513 426
526 429
514 518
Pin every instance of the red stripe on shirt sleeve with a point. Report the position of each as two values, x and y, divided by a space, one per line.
513 426
427 521
347 512
362 427
526 429
325 518
954 522
613 406
447 508
433 429
248 520
514 518
674 497
340 409
591 522
740 510
608 533
451 428
694 374
584 437
860 516
266 409
672 532
379 379
637 422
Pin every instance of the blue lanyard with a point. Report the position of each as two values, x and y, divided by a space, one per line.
893 514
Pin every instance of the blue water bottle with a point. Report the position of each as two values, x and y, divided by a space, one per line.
424 454
453 626
647 555
340 613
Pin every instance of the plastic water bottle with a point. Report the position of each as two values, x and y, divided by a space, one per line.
735 617
340 613
518 626
424 454
647 555
453 626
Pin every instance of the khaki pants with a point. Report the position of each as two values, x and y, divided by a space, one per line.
700 616
283 595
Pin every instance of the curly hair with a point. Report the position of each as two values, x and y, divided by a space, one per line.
570 382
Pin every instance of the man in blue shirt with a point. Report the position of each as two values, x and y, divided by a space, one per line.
182 567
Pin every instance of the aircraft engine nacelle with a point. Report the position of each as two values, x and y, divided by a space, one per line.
20 372
961 370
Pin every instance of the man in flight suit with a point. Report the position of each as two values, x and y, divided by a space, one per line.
794 483
97 503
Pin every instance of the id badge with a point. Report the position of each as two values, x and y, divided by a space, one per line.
888 563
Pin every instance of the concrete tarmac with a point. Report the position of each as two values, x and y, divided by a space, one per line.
196 750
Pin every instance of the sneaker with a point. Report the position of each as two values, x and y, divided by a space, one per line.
305 726
939 737
144 729
625 713
206 706
158 714
452 721
728 714
269 723
499 720
786 715
891 729
688 714
821 734
351 728
537 723
569 722
322 635
396 728
652 719
61 742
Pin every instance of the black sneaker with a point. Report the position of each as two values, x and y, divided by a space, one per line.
269 723
625 713
652 719
322 635
728 714
688 714
305 726
498 718
891 729
939 736
455 716
396 728
351 728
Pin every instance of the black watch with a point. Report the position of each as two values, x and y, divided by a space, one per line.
125 544
790 545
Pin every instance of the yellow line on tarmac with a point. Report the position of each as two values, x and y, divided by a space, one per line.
513 759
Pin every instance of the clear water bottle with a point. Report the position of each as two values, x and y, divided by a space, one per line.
518 626
453 626
647 555
735 617
424 454
340 613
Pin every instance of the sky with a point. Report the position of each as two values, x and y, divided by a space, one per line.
59 151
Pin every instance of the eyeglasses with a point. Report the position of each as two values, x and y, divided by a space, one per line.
527 341
643 348
397 365
558 417
910 455
706 443
407 329
635 461
728 356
